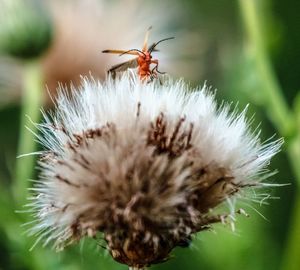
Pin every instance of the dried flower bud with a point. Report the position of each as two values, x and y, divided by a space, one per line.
145 164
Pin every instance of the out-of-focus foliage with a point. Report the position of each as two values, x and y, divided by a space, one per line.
213 48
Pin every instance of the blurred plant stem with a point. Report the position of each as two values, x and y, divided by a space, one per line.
10 220
31 103
279 113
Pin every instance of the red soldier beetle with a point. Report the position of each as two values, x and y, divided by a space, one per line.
143 60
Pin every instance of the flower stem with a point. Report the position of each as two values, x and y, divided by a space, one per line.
31 103
274 101
279 113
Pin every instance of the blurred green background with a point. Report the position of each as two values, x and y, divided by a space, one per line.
247 49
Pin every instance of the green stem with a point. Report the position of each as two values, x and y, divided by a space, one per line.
31 103
275 103
294 156
281 116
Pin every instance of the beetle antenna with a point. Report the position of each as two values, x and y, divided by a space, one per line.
132 50
155 44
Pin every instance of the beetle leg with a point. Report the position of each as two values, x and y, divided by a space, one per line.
155 68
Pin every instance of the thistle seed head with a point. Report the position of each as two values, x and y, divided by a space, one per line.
145 164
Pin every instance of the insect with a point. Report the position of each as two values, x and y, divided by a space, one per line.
143 60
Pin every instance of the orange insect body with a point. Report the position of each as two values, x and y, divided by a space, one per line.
143 60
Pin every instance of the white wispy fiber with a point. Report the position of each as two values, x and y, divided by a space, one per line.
145 164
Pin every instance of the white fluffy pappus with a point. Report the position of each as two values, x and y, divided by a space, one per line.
146 164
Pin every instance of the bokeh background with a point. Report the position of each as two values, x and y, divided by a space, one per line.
246 49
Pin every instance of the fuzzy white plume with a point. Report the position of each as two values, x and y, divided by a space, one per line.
144 163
